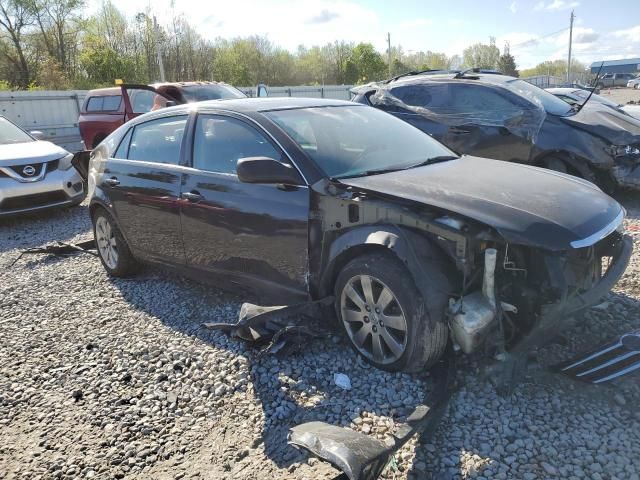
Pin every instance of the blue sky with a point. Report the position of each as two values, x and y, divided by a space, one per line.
602 30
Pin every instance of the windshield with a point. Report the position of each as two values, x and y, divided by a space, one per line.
357 140
9 133
198 93
550 102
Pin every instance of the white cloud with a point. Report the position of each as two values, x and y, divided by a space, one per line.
285 23
513 7
630 34
555 5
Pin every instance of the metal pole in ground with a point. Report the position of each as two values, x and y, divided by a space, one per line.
158 49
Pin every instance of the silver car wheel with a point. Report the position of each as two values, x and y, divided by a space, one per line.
373 319
106 243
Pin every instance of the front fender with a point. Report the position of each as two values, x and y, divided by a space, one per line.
433 272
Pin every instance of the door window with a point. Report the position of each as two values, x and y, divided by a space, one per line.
143 101
433 96
110 103
121 151
220 142
158 140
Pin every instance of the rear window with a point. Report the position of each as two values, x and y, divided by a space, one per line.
110 103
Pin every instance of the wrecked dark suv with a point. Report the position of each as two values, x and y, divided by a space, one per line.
505 118
302 199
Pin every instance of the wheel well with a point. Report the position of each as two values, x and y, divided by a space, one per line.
571 164
341 261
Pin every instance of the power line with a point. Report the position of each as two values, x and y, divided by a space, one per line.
534 41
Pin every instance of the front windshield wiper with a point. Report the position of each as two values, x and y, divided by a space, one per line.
379 171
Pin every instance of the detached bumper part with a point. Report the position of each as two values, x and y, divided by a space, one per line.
608 362
361 457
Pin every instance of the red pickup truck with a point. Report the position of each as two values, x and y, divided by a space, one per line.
105 109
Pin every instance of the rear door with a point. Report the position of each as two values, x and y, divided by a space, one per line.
256 234
143 182
486 122
139 99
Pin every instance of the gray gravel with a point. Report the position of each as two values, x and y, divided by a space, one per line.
103 378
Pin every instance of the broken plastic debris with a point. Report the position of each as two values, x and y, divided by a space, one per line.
283 328
342 381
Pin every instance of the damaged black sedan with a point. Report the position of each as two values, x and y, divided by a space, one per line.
299 199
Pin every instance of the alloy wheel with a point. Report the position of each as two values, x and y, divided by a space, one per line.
373 319
106 241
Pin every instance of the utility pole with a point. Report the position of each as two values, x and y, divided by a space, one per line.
570 41
389 51
158 49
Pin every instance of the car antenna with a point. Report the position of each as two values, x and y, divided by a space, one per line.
595 82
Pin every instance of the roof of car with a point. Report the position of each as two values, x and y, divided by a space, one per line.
248 105
99 92
451 77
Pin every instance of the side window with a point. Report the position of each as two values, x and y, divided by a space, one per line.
142 101
158 140
111 103
433 96
475 104
220 142
94 104
121 151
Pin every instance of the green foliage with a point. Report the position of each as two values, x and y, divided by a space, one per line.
481 56
5 86
557 68
507 65
50 44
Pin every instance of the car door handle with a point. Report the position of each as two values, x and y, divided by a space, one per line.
113 181
460 131
192 196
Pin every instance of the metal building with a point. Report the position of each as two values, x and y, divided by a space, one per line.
627 65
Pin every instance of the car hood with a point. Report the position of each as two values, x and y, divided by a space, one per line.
29 152
607 123
526 205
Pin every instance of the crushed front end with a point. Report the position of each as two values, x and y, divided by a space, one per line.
526 294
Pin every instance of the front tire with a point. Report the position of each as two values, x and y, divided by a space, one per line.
385 316
113 250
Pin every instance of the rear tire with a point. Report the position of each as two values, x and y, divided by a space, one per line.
113 250
385 316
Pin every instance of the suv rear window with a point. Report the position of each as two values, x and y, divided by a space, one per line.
110 103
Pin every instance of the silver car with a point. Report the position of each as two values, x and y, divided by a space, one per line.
634 83
34 174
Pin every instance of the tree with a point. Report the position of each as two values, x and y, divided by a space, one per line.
58 24
368 63
507 65
481 55
556 68
16 16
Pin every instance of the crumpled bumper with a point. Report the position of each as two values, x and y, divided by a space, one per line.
557 316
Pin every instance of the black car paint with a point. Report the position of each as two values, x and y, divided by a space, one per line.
583 139
281 240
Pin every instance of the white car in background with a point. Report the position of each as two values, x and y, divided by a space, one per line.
634 83
34 174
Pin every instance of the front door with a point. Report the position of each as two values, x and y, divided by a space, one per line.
143 183
255 233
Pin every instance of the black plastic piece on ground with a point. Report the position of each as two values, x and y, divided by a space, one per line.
361 457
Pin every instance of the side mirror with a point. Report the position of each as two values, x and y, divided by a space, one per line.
266 170
37 134
261 90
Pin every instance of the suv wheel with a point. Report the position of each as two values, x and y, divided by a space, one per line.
385 316
113 251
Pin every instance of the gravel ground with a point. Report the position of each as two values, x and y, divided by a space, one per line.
103 378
